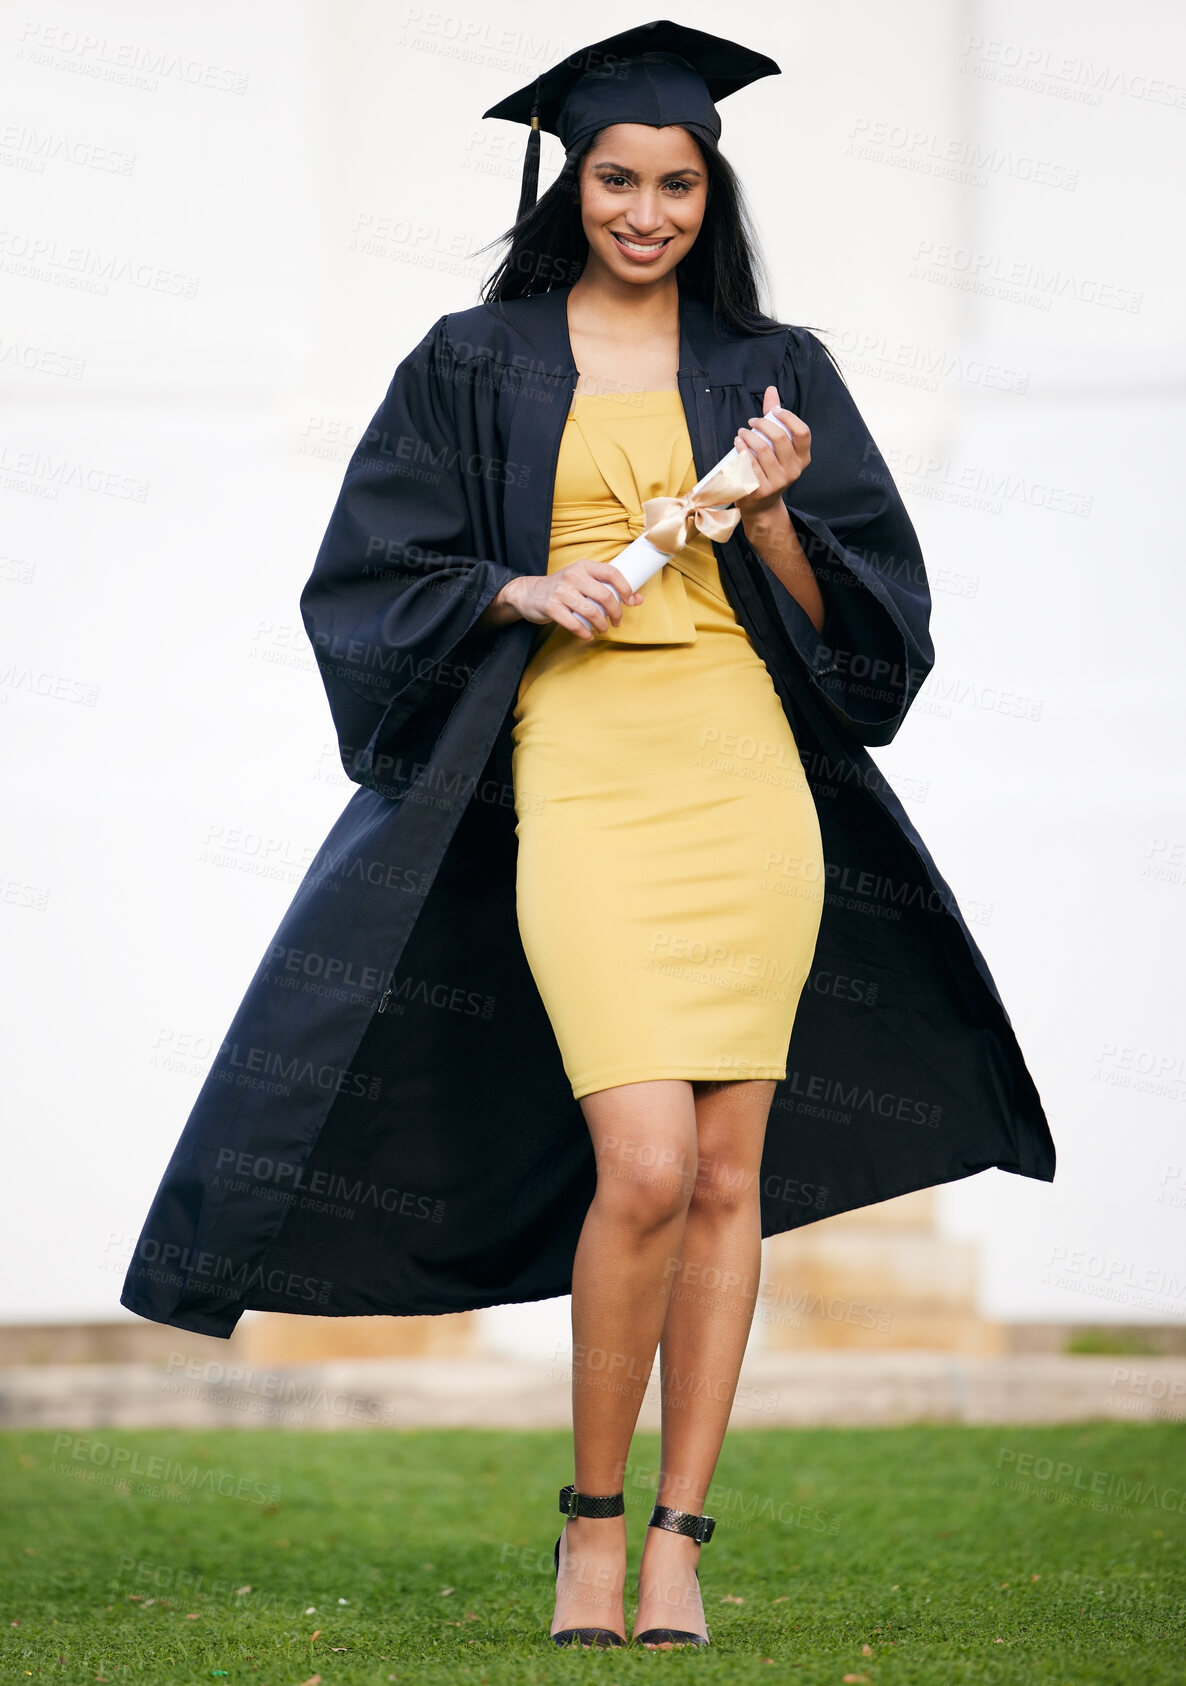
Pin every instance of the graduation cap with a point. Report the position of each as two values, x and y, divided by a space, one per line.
657 73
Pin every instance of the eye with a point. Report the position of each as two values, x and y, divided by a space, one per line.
685 187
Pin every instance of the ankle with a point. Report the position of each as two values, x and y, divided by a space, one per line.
678 1547
596 1533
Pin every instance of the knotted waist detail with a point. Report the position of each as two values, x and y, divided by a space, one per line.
617 456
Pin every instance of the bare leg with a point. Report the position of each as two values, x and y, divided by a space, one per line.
709 1312
645 1144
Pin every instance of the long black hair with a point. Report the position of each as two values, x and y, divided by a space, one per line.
723 268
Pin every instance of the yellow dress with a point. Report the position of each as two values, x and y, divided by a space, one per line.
661 807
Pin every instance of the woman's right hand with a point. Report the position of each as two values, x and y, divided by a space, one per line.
583 587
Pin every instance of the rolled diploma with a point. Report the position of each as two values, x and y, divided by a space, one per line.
640 560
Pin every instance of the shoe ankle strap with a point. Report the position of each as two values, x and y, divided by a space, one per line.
683 1522
573 1503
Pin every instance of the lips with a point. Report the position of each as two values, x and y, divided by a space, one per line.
642 252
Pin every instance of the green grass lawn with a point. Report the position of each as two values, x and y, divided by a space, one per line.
924 1554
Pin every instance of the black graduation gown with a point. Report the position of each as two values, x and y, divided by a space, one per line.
388 1127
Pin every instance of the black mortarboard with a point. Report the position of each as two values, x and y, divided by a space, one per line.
657 73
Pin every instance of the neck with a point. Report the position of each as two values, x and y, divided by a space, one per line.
606 301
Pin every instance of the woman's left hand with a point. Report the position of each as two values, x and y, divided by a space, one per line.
778 461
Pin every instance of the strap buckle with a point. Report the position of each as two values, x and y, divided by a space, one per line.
683 1522
573 1503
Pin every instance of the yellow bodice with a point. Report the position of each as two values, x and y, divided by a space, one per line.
617 451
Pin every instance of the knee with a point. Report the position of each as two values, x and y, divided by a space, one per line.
641 1200
723 1188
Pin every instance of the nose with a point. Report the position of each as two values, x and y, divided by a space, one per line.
646 213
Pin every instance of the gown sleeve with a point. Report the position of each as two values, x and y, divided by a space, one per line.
874 649
392 605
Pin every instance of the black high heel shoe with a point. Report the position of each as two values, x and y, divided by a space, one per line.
573 1503
697 1528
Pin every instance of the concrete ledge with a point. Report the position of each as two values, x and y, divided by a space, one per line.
800 1389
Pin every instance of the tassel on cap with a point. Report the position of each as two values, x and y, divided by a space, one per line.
529 189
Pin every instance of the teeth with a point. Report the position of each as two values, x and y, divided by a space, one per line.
634 245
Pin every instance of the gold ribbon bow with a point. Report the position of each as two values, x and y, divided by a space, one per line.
666 519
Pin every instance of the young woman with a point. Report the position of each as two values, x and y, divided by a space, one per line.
636 848
708 984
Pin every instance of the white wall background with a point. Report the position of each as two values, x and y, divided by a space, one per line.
225 225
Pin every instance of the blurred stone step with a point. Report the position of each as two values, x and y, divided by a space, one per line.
805 1389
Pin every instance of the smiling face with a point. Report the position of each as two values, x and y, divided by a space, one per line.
643 193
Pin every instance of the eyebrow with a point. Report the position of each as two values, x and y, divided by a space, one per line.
622 170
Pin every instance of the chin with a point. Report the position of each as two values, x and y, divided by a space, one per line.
645 279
